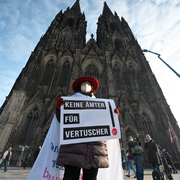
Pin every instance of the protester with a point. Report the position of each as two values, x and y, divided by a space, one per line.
137 158
130 164
6 157
89 156
25 161
36 153
169 160
153 156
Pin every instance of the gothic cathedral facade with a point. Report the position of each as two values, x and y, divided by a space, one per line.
62 55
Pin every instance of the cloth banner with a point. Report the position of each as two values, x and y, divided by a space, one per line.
45 164
45 167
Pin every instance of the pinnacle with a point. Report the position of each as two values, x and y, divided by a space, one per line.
106 10
76 7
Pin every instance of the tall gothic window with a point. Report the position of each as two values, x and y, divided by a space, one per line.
113 26
92 70
65 74
70 22
146 123
48 73
118 45
30 127
117 76
66 41
132 76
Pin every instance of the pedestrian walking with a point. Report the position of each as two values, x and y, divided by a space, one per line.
153 156
169 160
136 157
130 164
6 158
124 160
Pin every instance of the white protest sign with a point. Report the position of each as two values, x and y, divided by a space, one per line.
88 119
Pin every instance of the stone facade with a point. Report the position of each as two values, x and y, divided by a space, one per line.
61 56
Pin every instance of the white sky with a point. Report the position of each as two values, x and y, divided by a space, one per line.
155 24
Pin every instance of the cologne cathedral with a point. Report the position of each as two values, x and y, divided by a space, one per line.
62 55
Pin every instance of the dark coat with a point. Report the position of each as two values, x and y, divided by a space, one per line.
131 144
84 155
152 152
36 153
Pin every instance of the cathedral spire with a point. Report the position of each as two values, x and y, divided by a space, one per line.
106 10
76 7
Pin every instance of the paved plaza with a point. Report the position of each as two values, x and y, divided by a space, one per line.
17 173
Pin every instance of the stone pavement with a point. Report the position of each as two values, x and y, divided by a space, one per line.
14 173
17 173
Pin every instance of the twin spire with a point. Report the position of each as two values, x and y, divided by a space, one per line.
77 10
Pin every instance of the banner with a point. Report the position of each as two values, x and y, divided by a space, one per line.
45 166
87 120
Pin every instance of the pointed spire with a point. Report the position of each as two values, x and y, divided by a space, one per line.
106 10
76 7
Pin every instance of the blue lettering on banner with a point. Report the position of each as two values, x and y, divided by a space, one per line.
58 167
54 148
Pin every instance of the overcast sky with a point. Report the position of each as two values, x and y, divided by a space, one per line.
155 24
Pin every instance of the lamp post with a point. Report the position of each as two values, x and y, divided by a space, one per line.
22 149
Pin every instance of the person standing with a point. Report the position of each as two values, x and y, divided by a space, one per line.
89 155
137 158
36 153
153 157
25 161
6 157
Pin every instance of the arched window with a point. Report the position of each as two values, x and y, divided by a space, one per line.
30 127
48 73
70 22
65 40
118 45
65 74
146 123
92 71
113 26
132 76
117 76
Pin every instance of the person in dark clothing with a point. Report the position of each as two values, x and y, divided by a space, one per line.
36 153
169 160
153 156
25 161
137 158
